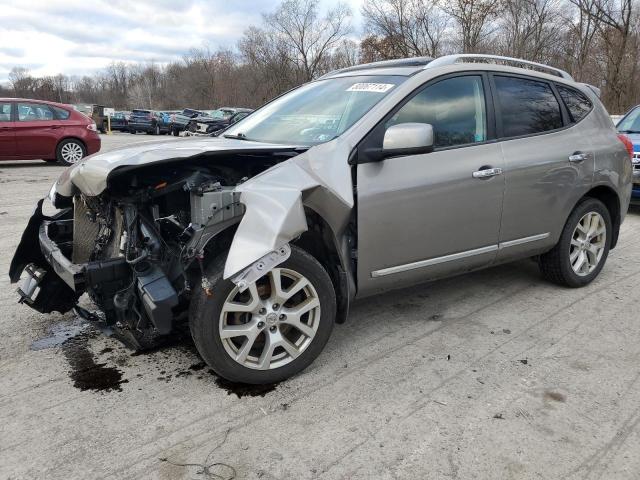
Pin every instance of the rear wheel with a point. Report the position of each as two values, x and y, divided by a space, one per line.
582 250
70 152
272 330
175 132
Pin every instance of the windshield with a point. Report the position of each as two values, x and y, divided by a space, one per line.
316 112
631 122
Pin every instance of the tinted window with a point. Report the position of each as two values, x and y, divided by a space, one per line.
61 113
526 106
5 112
29 112
454 107
577 103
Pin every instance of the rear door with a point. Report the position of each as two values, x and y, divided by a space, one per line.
549 163
37 130
7 132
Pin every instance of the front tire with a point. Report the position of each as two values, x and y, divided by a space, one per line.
272 330
583 248
70 152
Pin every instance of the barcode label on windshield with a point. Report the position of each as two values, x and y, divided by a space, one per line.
370 87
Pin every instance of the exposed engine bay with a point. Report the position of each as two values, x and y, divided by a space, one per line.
139 248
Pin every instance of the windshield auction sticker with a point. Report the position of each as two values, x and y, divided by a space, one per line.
370 87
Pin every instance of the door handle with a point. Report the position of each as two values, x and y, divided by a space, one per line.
487 172
578 157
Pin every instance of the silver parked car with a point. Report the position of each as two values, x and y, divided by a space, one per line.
371 178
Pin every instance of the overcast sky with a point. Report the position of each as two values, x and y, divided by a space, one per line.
77 37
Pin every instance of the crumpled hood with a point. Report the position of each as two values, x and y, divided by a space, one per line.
90 175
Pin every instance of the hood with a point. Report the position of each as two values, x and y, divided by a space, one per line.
90 175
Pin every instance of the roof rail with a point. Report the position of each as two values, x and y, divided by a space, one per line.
498 60
399 62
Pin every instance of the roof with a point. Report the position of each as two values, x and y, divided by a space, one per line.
34 100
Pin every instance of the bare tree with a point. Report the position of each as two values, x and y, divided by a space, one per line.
311 38
412 27
473 19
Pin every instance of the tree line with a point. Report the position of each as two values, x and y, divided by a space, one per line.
597 41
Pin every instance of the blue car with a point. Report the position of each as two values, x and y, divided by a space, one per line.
630 126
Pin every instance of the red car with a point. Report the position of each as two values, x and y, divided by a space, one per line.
35 129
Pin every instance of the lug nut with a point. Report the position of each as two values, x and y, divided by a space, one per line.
262 311
283 316
276 306
260 324
273 329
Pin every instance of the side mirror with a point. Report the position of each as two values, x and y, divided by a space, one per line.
401 140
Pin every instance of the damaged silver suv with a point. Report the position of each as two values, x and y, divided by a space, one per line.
371 178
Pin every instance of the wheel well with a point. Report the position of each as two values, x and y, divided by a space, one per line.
611 200
318 241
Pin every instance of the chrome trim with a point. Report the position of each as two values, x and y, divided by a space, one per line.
520 241
457 256
433 261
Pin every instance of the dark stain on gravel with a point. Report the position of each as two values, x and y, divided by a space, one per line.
85 372
243 389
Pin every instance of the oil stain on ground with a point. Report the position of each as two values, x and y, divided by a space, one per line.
243 389
85 372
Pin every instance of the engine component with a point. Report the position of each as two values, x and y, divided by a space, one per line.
157 295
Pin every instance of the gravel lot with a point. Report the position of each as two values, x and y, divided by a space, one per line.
494 374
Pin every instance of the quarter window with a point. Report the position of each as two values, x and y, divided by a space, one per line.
30 112
61 113
526 106
5 112
455 107
577 103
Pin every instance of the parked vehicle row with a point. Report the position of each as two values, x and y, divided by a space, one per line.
35 129
371 178
216 121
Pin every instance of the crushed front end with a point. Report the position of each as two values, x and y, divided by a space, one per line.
137 248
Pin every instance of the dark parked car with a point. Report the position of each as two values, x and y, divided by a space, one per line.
120 121
180 121
148 121
34 129
220 120
630 126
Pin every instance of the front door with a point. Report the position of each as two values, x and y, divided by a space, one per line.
429 215
7 132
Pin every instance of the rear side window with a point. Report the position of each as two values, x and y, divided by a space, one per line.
455 107
526 106
577 102
30 112
5 112
61 113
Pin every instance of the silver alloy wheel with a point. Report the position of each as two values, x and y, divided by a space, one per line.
71 152
587 243
272 322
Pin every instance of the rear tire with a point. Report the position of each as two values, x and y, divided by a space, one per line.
268 322
579 256
70 152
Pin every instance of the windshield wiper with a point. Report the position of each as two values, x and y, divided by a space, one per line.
239 136
629 131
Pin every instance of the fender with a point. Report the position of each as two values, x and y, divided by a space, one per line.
274 203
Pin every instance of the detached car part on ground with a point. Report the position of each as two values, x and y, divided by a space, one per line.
371 178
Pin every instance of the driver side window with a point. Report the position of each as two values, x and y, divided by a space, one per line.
455 107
